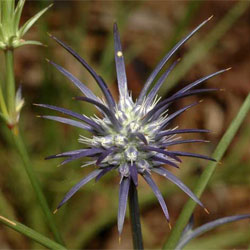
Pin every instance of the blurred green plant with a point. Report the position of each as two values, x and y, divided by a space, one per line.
11 37
78 234
207 174
19 227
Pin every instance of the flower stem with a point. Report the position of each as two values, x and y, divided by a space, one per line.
36 186
135 217
206 175
31 234
10 80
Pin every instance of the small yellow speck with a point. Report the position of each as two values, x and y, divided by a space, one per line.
55 211
15 130
210 18
206 211
119 53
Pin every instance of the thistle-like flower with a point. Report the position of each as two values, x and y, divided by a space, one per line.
132 137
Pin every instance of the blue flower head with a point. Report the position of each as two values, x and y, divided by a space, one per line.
132 137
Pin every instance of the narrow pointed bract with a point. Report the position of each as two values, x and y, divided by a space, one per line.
131 137
68 121
98 79
84 89
181 131
159 83
133 173
74 189
108 112
170 143
123 198
167 174
157 193
120 65
83 118
103 172
165 60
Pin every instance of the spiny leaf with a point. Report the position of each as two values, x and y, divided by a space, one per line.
17 15
31 21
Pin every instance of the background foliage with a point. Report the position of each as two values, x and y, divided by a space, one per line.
148 30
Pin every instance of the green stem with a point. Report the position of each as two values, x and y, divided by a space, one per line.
2 103
36 186
31 234
135 217
206 175
10 80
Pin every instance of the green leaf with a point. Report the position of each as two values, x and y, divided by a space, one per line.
29 42
0 12
230 239
17 15
31 21
7 9
1 32
2 102
209 226
32 234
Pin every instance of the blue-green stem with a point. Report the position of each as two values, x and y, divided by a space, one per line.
36 186
32 234
206 175
10 81
135 217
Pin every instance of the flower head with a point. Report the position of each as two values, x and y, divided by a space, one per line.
132 137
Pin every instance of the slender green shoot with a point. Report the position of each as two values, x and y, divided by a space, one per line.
10 81
32 234
36 185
